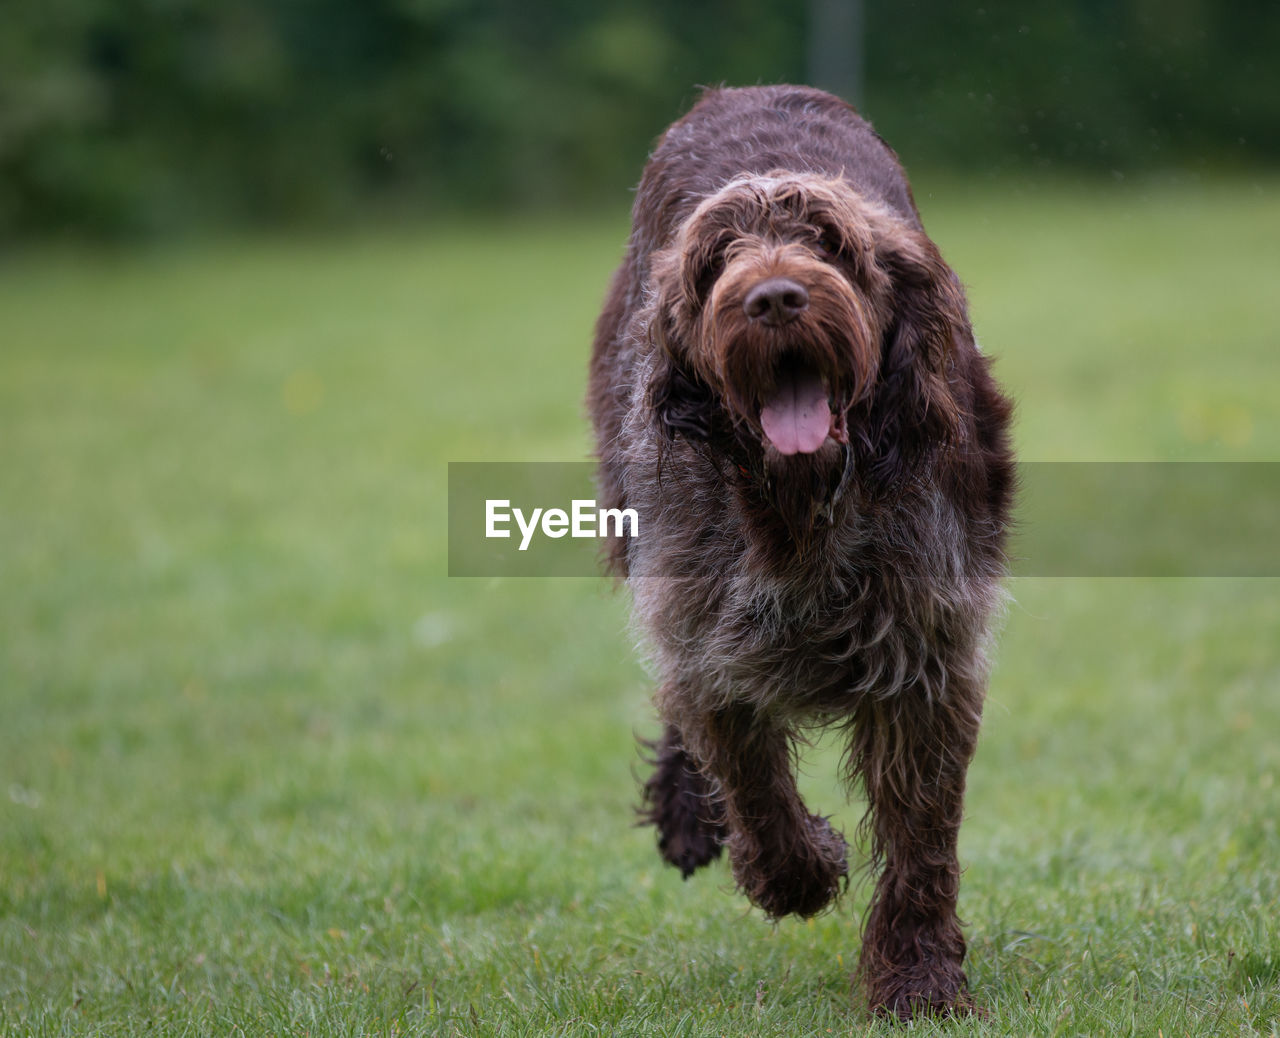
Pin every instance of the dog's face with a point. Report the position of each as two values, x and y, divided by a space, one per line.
787 300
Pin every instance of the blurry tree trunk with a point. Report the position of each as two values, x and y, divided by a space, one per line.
835 47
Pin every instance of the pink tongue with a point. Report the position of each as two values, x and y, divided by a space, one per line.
797 418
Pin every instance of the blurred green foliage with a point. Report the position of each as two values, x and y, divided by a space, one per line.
124 116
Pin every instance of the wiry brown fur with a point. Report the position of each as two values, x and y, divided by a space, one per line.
853 585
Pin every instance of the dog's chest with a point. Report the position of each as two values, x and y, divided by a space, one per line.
809 643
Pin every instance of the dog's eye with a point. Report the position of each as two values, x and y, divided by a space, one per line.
828 244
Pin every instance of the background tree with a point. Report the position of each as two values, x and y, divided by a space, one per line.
149 115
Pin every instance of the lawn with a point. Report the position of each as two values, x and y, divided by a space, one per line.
265 769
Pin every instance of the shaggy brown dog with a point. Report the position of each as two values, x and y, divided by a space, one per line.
785 386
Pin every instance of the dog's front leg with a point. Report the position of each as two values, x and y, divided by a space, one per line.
786 860
912 759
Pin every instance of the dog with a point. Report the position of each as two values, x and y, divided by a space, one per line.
785 386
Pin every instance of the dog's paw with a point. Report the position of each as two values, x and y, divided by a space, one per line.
921 990
678 803
688 849
801 876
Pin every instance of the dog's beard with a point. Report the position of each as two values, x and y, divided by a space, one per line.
796 434
789 392
803 442
805 488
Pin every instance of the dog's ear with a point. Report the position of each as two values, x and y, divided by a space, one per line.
913 408
681 402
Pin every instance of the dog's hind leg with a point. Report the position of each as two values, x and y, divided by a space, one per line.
680 804
786 860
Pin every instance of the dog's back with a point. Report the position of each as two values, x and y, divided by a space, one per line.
730 132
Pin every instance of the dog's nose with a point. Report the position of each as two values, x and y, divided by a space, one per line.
776 301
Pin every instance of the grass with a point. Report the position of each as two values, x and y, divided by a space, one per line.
265 770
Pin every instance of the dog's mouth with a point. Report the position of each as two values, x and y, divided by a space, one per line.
803 410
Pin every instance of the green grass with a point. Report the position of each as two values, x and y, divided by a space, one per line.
265 769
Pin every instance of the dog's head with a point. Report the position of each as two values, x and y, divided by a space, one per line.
817 321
